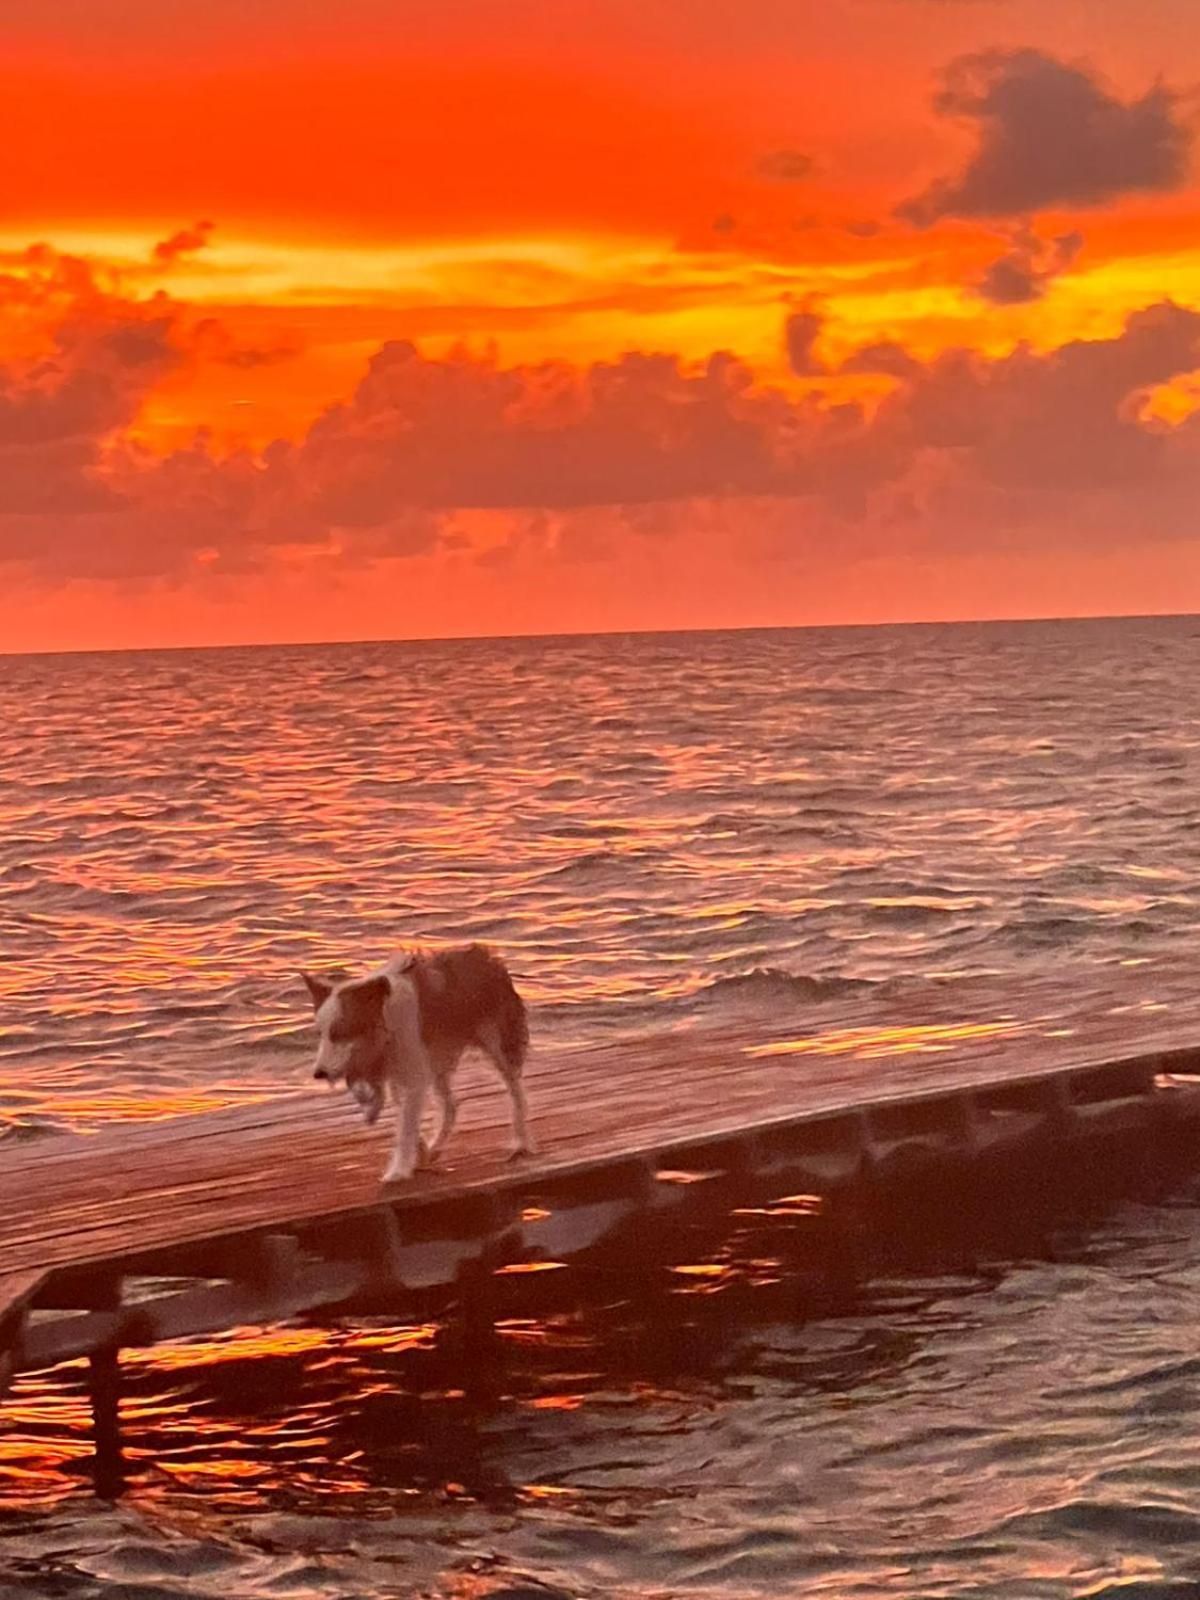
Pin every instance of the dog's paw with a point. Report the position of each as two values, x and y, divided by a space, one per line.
520 1151
397 1172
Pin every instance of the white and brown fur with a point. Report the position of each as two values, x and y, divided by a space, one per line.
406 1026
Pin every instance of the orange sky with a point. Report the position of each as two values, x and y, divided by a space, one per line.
931 233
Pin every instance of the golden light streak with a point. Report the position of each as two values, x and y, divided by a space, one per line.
920 1039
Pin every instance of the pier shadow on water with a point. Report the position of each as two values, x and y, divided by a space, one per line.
913 1391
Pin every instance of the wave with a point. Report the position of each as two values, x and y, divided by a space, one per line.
910 913
28 1126
374 674
766 991
600 864
772 986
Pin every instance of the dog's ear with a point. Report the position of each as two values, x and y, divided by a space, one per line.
318 989
362 1002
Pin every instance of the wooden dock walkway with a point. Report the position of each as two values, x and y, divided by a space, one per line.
275 1210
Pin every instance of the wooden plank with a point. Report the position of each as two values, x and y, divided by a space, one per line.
308 1155
144 1208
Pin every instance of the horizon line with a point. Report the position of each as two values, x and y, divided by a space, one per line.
604 633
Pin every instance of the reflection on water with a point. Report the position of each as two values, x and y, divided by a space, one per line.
999 1413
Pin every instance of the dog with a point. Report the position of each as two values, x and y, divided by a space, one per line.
406 1026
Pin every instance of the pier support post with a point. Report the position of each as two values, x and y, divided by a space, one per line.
104 1391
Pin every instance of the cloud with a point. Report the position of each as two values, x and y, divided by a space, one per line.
801 330
867 228
214 342
887 359
186 242
581 462
1055 425
1035 437
465 432
1028 267
785 166
1049 134
58 408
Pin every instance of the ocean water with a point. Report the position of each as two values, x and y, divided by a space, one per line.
657 831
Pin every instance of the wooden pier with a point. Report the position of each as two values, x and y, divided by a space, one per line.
205 1223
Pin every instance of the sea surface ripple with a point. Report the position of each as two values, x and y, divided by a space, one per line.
656 830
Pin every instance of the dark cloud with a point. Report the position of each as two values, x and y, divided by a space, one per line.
1028 267
213 340
801 330
887 359
248 357
186 242
866 229
464 432
785 166
1049 134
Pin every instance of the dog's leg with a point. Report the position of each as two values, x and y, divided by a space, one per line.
443 1088
408 1149
488 1039
524 1143
448 1111
409 1071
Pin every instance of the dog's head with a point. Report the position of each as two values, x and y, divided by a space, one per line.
351 1035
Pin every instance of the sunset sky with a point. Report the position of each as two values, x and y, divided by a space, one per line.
378 319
